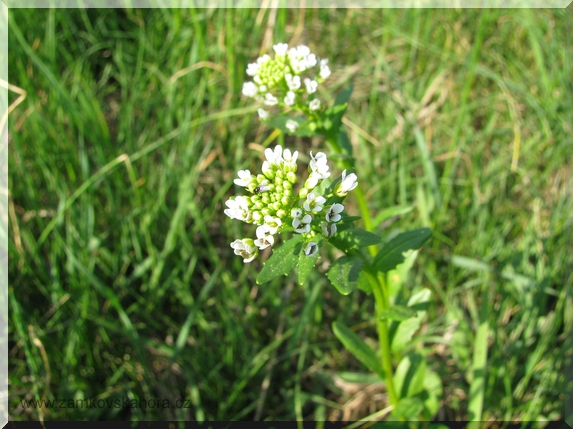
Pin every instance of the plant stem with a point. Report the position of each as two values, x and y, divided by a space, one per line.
378 283
378 289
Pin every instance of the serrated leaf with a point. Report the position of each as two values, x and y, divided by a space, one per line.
402 332
398 312
391 253
391 212
282 261
354 238
356 345
305 265
408 408
344 273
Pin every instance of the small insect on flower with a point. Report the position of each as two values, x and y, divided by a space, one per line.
260 189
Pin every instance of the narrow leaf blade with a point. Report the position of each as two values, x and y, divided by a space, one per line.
356 345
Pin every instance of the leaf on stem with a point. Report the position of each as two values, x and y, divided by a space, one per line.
282 261
356 345
391 254
344 273
354 238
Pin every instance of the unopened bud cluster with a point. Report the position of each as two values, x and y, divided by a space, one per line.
288 80
275 206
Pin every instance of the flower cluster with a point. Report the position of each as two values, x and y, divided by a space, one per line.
274 206
289 80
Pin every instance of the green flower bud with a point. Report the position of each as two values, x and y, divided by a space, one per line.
278 181
280 174
287 184
276 206
303 193
291 177
257 216
281 213
260 204
287 192
266 211
285 201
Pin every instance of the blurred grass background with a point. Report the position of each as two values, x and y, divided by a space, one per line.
121 155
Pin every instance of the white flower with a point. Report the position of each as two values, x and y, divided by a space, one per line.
252 69
324 69
245 248
280 48
263 239
293 83
314 104
302 225
244 178
274 156
270 99
238 209
263 114
328 229
333 214
311 248
314 203
249 89
262 88
290 98
263 59
319 166
272 224
311 85
312 181
296 213
291 125
311 60
348 183
290 158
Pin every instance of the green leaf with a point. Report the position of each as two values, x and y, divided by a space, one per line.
433 388
305 265
363 283
409 376
402 332
344 144
344 96
408 408
282 261
356 345
391 254
344 273
391 212
397 276
358 377
354 238
398 312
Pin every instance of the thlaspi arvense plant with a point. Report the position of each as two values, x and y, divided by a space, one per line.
309 207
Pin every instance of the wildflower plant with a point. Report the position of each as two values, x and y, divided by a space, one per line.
306 207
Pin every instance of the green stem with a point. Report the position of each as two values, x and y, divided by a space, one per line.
378 283
381 300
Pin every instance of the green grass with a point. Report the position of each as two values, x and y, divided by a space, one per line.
122 281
